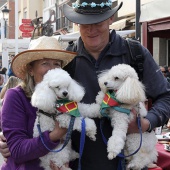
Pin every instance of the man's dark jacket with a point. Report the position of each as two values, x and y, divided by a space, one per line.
84 69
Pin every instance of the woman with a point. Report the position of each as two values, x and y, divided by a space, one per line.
18 115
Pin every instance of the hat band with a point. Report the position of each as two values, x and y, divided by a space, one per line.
92 5
91 12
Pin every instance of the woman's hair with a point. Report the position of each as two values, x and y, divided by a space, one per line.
12 82
28 85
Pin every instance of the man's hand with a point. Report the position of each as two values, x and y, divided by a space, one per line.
133 125
4 150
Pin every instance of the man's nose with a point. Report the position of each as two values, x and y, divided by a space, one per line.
91 27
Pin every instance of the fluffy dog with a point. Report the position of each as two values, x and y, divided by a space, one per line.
57 85
122 81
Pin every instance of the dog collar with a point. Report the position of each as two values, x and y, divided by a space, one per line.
66 106
51 115
110 101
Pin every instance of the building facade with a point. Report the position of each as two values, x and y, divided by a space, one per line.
47 18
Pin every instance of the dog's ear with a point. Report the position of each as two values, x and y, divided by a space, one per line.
131 92
102 78
43 97
76 91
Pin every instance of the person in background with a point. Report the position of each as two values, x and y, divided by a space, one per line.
165 72
17 113
11 82
10 72
1 82
99 49
169 68
3 72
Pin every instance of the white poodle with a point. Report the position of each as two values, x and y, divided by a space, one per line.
57 85
122 82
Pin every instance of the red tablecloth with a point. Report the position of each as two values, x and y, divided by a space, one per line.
163 157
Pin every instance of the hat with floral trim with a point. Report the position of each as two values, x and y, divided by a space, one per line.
90 11
41 48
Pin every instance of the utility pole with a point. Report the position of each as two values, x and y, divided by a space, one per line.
16 27
137 24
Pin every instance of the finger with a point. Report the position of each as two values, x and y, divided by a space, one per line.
5 153
3 145
5 159
53 166
4 150
67 165
2 137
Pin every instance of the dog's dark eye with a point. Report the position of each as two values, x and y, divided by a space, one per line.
116 78
57 87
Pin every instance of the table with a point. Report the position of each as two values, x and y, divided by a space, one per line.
163 157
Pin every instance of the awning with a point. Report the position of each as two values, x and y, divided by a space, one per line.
159 25
155 10
75 35
68 37
121 24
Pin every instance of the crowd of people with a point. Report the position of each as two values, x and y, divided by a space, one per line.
96 50
5 73
166 72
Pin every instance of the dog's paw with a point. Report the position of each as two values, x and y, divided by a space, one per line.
114 146
90 128
133 166
111 155
91 136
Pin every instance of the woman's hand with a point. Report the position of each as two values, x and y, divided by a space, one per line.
54 167
4 150
57 133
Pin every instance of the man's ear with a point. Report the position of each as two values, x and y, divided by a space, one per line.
111 19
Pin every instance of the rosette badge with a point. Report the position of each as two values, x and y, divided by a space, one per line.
92 4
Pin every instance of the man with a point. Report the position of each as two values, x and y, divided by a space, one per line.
98 49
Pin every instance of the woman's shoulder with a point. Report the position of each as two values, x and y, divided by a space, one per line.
16 96
17 90
15 93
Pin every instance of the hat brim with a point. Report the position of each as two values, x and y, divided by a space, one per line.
78 18
20 61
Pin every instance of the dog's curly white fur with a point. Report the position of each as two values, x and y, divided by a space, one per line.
57 84
123 80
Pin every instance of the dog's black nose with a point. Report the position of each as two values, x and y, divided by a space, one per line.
105 83
65 93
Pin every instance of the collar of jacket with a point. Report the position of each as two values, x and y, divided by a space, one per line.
117 46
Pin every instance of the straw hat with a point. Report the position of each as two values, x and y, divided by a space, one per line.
43 47
90 11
